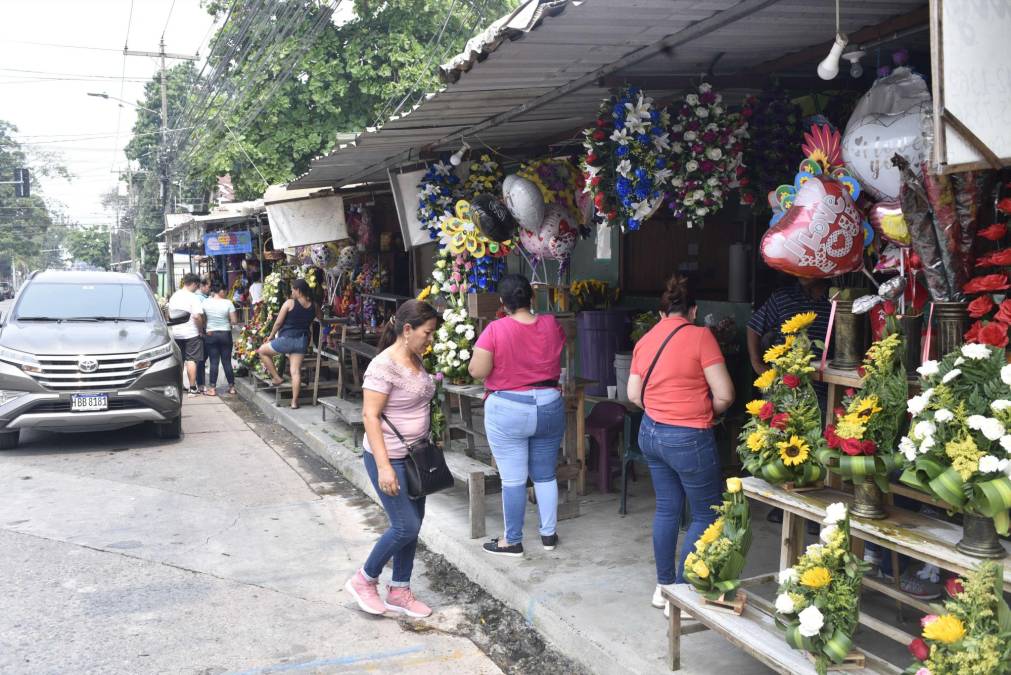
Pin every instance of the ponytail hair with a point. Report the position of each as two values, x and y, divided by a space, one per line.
413 313
678 296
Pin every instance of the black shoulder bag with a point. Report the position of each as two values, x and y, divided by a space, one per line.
656 358
427 471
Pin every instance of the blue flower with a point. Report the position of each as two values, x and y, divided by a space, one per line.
654 115
623 185
661 162
626 202
643 138
621 151
640 173
641 192
633 224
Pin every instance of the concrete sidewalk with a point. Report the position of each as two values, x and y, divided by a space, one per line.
590 597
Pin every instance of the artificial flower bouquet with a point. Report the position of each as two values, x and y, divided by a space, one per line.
783 436
714 567
861 443
454 340
992 314
959 447
971 633
592 294
819 598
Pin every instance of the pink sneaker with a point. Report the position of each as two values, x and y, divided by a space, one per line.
365 593
401 599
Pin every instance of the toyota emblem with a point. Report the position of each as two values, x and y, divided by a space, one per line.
86 365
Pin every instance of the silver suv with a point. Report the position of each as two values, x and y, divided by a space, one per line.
88 351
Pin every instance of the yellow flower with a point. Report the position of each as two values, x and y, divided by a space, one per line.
425 293
772 354
713 532
945 628
755 407
850 426
734 485
865 407
700 569
798 322
766 379
816 577
757 440
794 451
964 456
690 560
790 339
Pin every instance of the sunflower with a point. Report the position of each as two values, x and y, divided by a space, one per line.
816 577
774 353
766 379
798 322
713 532
427 291
866 407
757 440
946 628
794 451
755 407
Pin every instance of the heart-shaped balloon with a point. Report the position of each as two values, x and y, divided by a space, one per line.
886 217
524 201
820 236
561 245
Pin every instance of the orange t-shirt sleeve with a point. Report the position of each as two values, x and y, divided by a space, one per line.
709 350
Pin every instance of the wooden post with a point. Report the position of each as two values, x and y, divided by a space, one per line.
792 542
674 637
466 412
476 494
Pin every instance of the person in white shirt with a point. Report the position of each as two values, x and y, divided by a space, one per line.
188 335
255 292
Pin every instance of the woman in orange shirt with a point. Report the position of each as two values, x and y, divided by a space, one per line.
679 378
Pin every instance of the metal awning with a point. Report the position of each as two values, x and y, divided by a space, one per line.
538 75
194 226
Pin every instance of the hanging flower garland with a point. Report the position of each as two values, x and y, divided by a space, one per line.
485 177
706 147
438 191
774 121
556 180
626 159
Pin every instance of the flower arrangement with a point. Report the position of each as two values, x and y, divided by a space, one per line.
861 442
369 280
437 416
643 323
626 159
438 191
254 333
556 179
485 177
993 320
706 144
819 598
454 340
714 567
782 438
959 447
971 632
773 122
591 294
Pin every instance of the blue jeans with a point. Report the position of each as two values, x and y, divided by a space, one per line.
400 541
525 431
683 464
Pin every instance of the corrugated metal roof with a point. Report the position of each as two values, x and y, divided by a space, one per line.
534 75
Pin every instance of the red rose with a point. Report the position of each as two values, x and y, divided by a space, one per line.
1003 312
868 447
953 586
612 215
919 649
888 307
601 123
779 421
595 181
851 447
1001 258
599 201
1004 205
831 437
767 411
995 232
994 334
972 335
792 381
861 371
987 284
591 158
980 307
839 411
599 135
850 391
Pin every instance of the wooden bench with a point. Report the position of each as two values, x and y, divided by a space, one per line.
480 480
754 632
350 412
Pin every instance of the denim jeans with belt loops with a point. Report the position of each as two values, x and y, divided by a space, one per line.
684 464
400 542
525 431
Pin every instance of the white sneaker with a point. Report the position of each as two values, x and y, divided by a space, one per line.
658 600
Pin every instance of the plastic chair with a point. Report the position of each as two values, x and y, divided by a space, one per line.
631 453
603 424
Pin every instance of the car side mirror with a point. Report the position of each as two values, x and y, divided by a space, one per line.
177 317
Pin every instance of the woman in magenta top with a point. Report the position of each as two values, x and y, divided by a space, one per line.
519 359
397 390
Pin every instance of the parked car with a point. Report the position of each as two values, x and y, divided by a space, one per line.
6 290
88 351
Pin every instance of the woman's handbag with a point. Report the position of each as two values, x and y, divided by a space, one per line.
427 471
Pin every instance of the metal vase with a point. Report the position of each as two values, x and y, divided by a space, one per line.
912 330
848 337
979 538
952 322
868 500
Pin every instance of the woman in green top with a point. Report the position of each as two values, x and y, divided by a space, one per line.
220 314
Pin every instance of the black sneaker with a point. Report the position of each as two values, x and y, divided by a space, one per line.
549 542
514 550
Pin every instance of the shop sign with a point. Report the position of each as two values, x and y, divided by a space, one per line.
228 243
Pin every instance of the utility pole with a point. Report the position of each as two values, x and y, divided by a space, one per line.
164 146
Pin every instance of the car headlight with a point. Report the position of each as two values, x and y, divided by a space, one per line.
146 358
8 395
25 361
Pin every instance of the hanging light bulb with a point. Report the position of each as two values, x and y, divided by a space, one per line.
856 69
457 157
829 67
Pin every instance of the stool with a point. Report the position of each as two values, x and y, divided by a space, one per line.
603 425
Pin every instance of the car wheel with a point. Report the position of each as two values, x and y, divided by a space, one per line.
169 430
9 440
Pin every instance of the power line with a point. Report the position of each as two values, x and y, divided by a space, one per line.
168 18
60 45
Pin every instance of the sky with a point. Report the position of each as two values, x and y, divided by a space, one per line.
44 88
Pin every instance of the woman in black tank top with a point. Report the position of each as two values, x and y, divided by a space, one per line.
290 335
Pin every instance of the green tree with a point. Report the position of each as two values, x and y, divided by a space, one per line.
88 245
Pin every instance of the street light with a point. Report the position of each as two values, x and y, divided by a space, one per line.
122 101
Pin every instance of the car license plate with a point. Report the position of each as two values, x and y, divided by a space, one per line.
89 402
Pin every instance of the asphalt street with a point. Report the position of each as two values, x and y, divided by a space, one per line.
224 552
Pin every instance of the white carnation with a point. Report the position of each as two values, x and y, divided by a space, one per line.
692 166
916 405
677 181
950 375
702 112
470 334
1000 404
464 355
989 464
699 195
975 422
959 361
976 352
1005 374
927 444
928 369
923 429
835 513
908 448
702 211
692 100
714 154
714 181
944 415
992 429
1005 442
461 328
784 604
788 576
811 621
718 110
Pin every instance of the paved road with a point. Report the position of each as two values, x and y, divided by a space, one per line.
222 552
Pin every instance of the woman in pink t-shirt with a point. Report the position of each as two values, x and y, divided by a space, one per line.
519 359
398 391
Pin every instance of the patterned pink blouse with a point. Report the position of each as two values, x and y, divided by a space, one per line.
409 394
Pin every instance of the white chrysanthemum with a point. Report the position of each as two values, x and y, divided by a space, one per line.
784 604
1005 374
827 533
464 355
924 429
788 576
927 444
992 429
989 464
975 422
1000 404
835 513
811 621
928 369
916 404
950 375
692 100
976 352
1005 442
908 448
944 416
